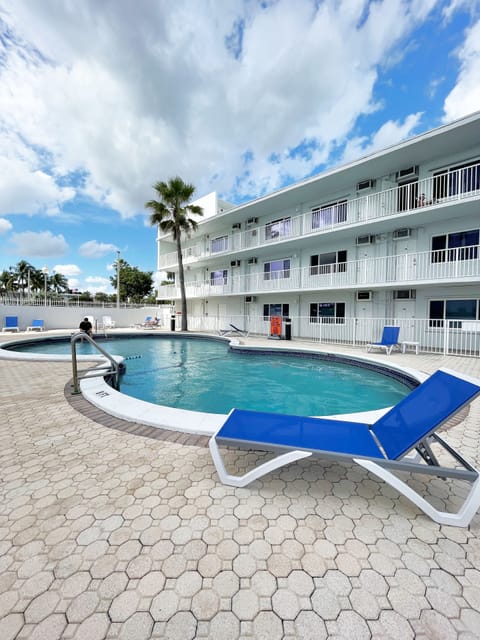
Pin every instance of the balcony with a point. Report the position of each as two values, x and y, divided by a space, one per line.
450 187
461 264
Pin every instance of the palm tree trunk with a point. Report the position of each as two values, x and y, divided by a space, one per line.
181 277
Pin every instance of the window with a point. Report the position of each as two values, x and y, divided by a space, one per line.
218 278
276 269
275 309
327 312
219 244
278 228
328 214
332 262
460 179
455 246
454 311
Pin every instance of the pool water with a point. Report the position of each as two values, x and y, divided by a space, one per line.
204 375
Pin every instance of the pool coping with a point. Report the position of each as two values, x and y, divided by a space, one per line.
103 397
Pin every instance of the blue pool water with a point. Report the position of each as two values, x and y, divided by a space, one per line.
204 375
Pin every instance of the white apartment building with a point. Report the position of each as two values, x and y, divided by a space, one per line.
392 238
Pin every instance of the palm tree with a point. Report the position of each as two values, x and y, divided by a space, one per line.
22 271
58 282
171 213
7 279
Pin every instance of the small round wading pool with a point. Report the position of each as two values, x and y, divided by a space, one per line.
202 374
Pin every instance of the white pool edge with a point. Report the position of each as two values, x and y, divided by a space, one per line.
101 395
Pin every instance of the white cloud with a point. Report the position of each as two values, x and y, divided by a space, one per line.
94 249
73 283
67 269
38 244
98 284
157 92
465 96
5 225
390 133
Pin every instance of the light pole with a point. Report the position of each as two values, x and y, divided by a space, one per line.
45 276
118 279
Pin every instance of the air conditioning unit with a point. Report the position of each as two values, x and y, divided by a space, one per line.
252 261
237 225
399 234
405 294
405 174
252 220
250 299
365 240
362 296
235 263
365 184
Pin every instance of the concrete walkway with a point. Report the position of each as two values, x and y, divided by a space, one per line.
105 534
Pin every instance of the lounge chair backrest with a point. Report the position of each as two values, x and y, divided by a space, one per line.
11 322
37 323
390 335
423 411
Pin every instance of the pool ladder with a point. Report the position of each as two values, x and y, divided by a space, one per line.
113 370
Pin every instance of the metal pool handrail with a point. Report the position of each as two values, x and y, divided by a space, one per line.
114 370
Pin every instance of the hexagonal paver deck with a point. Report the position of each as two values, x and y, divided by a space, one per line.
110 534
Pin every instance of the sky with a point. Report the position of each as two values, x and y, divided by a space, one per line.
100 99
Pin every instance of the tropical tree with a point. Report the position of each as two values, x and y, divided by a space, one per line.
134 284
58 282
171 212
22 273
7 279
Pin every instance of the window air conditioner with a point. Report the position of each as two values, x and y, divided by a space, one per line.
235 263
398 234
249 299
237 225
362 296
252 220
365 240
252 261
405 294
365 184
404 174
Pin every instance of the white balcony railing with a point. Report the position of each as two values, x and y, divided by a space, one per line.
451 186
461 264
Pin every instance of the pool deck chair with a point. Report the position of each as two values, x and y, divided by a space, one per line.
11 324
401 440
233 331
37 325
107 323
388 341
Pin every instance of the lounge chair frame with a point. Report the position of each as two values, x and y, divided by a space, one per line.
234 331
388 341
418 458
37 325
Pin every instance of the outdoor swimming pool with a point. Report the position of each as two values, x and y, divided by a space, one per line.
206 375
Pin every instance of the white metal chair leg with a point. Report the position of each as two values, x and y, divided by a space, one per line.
254 474
460 519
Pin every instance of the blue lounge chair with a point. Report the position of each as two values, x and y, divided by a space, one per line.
385 446
388 341
37 325
11 323
233 331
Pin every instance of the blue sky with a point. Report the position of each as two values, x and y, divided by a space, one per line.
99 100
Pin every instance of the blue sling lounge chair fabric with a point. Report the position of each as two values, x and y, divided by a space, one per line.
388 341
11 323
37 325
409 427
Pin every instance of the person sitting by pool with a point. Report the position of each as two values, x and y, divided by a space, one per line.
86 326
154 322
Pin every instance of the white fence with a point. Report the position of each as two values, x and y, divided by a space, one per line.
449 337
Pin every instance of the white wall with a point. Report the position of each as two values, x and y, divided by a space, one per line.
70 317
